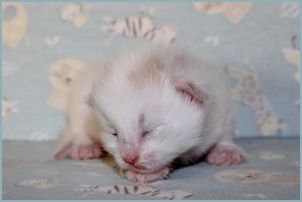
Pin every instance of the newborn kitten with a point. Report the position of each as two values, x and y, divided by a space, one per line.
156 106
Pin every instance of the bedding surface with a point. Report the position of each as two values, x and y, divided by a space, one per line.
272 172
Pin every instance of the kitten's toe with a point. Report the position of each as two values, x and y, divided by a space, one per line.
97 150
75 153
86 152
91 151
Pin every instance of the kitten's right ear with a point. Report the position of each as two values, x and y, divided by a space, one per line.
190 91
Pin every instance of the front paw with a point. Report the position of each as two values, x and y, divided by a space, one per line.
78 151
226 154
145 177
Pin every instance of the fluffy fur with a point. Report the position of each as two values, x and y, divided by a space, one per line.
156 106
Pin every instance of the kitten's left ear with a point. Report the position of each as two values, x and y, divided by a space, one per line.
190 91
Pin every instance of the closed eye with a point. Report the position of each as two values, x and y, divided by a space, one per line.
151 130
145 133
107 124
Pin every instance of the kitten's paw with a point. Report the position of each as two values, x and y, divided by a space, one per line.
83 152
226 154
78 151
145 177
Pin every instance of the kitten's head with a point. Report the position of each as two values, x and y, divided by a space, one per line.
148 117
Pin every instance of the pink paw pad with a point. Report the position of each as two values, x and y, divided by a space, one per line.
226 155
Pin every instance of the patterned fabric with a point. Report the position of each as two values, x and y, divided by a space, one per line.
255 44
272 173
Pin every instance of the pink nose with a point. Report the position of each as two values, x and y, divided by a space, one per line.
130 153
130 159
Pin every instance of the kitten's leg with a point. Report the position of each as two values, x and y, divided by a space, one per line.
226 152
79 139
78 146
76 141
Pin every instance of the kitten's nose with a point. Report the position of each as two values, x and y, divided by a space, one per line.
130 153
131 159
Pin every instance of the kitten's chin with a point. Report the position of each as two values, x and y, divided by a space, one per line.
143 170
140 168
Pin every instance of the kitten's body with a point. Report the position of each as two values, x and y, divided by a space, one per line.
163 105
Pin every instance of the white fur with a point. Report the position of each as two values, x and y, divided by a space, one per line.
179 129
185 127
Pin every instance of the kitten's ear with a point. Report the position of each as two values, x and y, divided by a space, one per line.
189 91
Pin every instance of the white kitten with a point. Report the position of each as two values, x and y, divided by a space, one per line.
156 106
